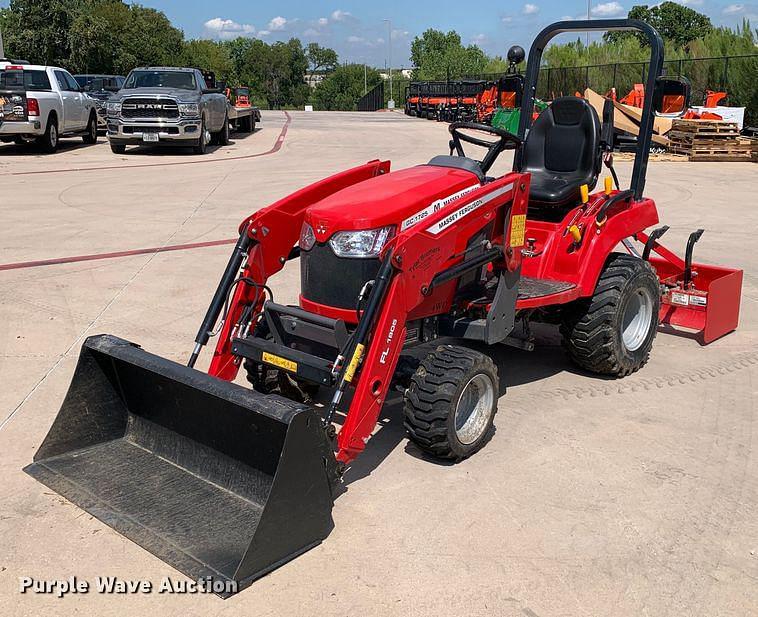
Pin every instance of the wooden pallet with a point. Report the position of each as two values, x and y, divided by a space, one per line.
706 127
710 140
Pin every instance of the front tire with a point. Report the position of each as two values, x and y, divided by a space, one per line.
90 137
118 148
202 141
48 142
451 402
612 332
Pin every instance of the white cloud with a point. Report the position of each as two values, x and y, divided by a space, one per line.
278 23
689 2
311 32
399 34
607 9
530 9
506 19
734 9
262 33
322 21
480 39
355 39
340 15
219 28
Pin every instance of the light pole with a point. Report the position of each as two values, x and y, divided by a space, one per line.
588 18
390 102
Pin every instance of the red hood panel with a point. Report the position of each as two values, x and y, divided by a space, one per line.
407 195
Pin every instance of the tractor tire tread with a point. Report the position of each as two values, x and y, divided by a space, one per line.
433 389
589 326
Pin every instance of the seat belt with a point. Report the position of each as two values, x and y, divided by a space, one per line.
606 140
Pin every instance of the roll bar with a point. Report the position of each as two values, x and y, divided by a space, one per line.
654 71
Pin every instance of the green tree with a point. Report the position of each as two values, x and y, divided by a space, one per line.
210 55
276 72
677 24
439 55
343 87
38 30
320 58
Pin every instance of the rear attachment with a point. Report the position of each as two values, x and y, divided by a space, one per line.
223 483
699 299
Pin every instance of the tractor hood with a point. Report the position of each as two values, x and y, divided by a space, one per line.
400 198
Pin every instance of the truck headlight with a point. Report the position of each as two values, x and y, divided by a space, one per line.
307 237
191 110
114 108
364 243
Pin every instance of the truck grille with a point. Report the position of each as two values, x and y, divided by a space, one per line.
150 109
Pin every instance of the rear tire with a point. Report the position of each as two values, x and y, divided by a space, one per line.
48 142
612 332
222 137
90 137
451 402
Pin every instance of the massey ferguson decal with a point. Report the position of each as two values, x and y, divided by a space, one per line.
434 207
440 226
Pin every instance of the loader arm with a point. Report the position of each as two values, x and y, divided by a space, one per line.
417 256
274 231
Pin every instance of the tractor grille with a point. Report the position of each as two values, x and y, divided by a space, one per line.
150 109
331 280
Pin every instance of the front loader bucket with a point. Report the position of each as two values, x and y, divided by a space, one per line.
223 483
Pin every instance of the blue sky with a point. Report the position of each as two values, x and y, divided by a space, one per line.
359 34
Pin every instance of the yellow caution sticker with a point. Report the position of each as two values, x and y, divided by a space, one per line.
287 365
518 229
351 368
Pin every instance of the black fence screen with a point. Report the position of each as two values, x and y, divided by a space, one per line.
373 100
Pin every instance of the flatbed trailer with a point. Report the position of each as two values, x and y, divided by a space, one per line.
243 119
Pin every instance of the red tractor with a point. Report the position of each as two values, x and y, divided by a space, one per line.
406 277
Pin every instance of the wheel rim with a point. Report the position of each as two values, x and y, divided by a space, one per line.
472 413
206 136
53 135
635 324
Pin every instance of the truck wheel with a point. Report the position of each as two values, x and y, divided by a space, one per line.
451 402
118 148
202 141
612 332
222 137
90 137
48 142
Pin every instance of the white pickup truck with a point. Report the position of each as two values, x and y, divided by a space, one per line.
42 104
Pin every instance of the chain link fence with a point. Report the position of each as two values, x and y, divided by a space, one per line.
737 75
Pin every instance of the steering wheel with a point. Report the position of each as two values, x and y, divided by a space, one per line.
494 148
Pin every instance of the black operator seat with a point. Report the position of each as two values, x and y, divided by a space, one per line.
562 152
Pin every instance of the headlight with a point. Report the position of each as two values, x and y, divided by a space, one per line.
114 108
191 110
307 237
365 243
